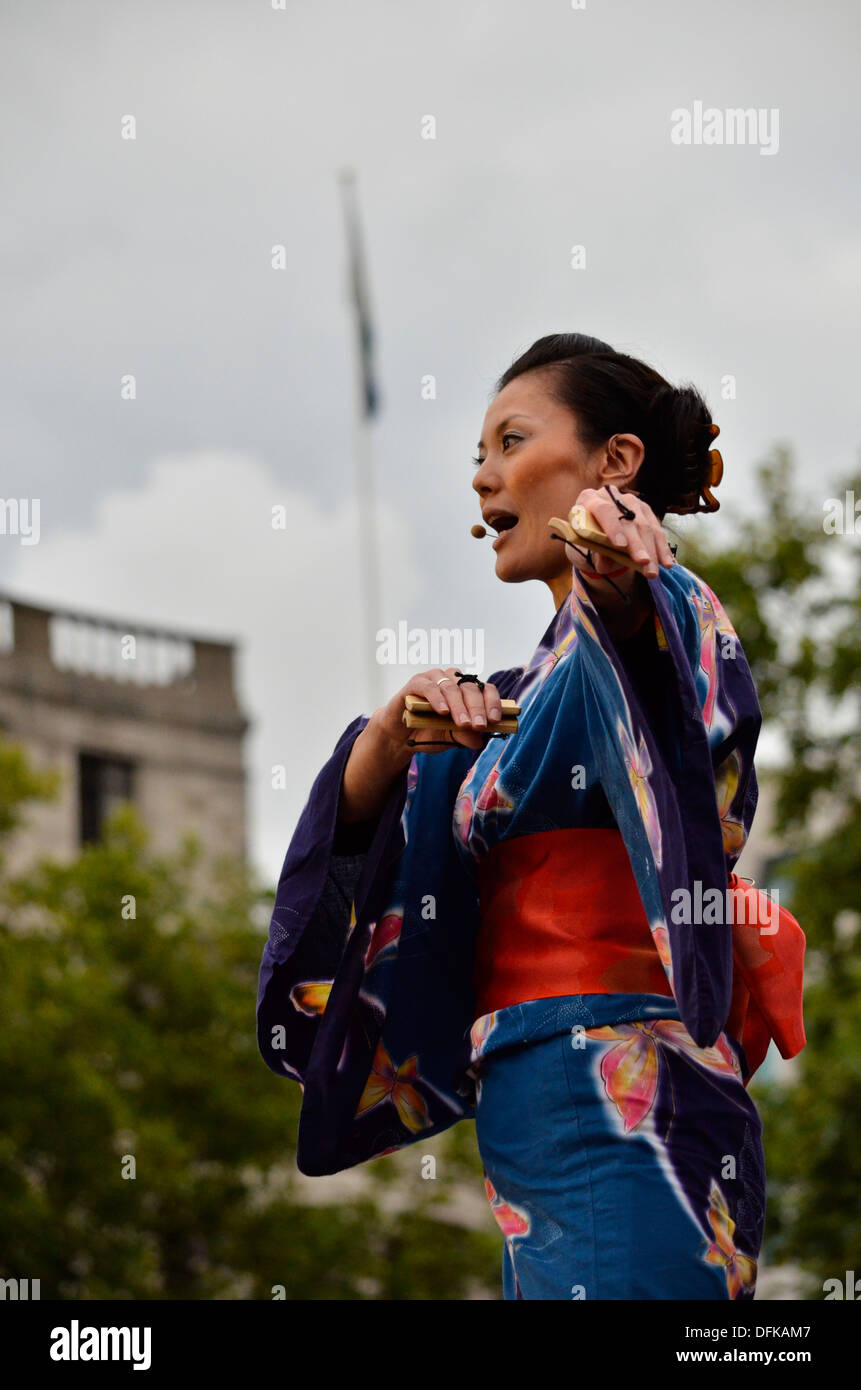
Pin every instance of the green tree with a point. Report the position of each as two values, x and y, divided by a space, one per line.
128 1035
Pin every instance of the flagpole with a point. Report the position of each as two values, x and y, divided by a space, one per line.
366 406
368 554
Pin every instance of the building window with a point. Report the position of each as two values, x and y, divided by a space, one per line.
104 783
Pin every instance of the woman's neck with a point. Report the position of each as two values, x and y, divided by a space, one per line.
560 587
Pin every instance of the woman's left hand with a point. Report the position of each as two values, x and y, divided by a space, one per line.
643 536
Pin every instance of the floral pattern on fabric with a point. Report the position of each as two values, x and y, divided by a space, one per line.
629 1070
639 766
740 1269
311 996
392 935
636 1157
398 1085
512 1221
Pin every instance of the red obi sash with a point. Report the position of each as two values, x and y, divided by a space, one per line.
561 914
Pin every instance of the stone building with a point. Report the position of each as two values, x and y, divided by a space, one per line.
125 713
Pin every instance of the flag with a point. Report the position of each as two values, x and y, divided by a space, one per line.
359 289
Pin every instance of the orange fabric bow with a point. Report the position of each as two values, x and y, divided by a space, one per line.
768 973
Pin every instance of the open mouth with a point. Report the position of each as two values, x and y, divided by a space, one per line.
504 522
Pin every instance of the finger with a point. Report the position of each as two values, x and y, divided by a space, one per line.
425 684
633 536
473 698
607 515
492 702
665 554
648 548
651 535
451 694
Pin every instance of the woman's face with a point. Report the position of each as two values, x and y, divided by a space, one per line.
533 466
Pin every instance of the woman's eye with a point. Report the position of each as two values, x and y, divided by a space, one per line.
478 462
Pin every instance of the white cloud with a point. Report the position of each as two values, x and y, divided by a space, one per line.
193 547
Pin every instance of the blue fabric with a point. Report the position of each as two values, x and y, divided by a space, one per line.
671 1208
365 994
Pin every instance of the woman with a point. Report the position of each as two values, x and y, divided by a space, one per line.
516 928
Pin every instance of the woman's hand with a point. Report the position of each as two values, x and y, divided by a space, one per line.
381 750
618 590
643 536
472 710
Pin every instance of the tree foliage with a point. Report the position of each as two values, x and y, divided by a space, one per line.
131 1038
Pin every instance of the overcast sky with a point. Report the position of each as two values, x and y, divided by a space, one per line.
152 256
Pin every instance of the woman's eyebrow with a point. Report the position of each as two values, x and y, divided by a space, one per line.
518 415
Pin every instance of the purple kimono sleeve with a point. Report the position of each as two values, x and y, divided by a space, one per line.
318 897
322 898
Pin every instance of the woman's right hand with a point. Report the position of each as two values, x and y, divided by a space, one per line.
382 750
471 709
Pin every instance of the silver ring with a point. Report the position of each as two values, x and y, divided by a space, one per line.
444 679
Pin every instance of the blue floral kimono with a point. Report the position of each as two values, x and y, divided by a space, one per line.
640 1171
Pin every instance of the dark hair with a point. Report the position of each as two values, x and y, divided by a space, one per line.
611 393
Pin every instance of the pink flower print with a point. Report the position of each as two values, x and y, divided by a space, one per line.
512 1221
385 937
464 809
491 797
629 1070
706 615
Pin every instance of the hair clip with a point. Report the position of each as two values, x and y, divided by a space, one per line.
712 504
705 501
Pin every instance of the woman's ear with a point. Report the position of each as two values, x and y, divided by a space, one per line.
621 461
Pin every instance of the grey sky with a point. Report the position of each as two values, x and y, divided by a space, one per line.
152 257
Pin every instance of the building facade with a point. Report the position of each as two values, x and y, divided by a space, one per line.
123 712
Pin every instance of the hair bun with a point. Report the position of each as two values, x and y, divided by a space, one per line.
682 434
